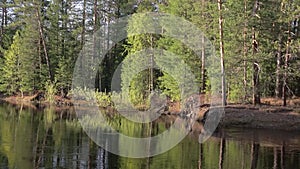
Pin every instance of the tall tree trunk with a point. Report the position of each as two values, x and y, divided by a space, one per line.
256 70
3 21
278 66
254 155
222 53
51 78
151 76
285 74
64 13
98 84
203 52
297 28
5 14
245 51
40 59
203 65
83 23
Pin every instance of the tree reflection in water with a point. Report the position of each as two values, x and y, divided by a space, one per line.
51 138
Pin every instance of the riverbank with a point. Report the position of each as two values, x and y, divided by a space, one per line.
269 115
38 98
266 116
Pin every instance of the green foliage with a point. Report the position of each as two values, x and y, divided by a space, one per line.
11 78
62 45
29 59
181 69
24 61
169 86
63 76
82 94
104 99
137 82
50 92
139 89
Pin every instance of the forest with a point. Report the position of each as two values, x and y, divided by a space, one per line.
257 41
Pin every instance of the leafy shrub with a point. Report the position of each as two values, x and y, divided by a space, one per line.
50 92
104 99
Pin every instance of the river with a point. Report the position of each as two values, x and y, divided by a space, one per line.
52 138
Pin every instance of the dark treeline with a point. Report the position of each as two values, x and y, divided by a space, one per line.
40 42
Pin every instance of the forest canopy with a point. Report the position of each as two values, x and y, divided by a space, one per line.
257 40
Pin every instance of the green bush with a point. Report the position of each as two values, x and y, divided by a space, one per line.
50 92
104 99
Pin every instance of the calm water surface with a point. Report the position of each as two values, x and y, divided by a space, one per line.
52 138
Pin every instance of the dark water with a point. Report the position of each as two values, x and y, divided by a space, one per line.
53 138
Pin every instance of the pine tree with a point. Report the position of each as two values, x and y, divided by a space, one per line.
194 12
62 45
143 83
10 79
290 14
34 60
221 32
29 59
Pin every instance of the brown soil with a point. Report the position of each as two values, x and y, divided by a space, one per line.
295 102
36 98
270 114
16 98
266 116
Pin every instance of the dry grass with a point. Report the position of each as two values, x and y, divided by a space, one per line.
295 102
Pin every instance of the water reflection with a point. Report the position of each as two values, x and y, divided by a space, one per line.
52 138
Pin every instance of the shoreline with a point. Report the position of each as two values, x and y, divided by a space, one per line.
266 117
236 115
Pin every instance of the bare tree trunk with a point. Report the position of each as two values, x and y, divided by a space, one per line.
278 66
297 28
51 78
151 80
64 24
203 65
245 50
2 18
3 21
98 84
256 70
203 52
2 29
285 74
83 23
222 53
5 17
40 59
